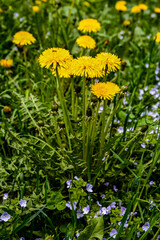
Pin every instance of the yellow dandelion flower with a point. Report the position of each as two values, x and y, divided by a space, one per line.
109 61
87 4
105 90
89 25
86 66
63 71
136 9
38 2
55 57
143 6
126 23
6 63
86 42
35 9
157 10
23 38
121 2
157 37
120 7
1 10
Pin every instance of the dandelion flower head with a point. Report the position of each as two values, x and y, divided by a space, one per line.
157 37
35 9
126 23
143 6
120 7
23 38
6 63
86 66
105 90
136 9
89 25
121 2
86 42
109 60
64 71
157 10
55 57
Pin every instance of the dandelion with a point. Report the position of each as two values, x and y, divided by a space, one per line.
56 57
23 38
143 6
1 10
5 217
126 23
121 2
157 37
120 7
157 10
89 25
109 61
146 226
87 4
113 233
35 8
23 203
86 42
6 63
63 71
136 9
86 66
105 90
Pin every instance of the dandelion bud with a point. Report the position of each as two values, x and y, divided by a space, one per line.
106 42
40 123
123 64
124 88
62 124
55 107
7 109
144 128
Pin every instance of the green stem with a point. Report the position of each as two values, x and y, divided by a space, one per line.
94 130
27 73
69 15
103 126
57 133
83 116
73 103
62 101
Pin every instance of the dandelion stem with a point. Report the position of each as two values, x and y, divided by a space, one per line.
27 73
103 126
83 116
73 103
62 101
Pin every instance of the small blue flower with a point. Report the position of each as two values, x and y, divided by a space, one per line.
123 210
115 189
77 234
151 182
68 204
86 210
5 217
23 203
76 178
113 205
146 226
113 233
79 214
22 238
5 197
69 183
89 187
